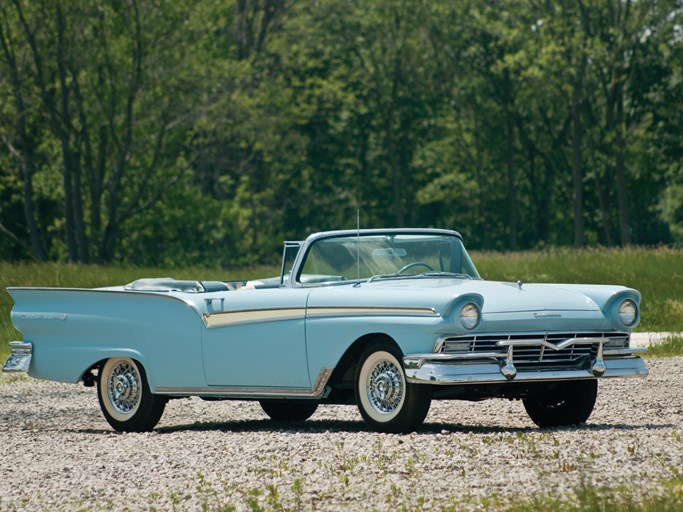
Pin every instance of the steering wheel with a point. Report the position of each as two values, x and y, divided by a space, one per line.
414 264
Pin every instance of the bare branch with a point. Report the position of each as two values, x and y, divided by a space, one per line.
11 235
11 147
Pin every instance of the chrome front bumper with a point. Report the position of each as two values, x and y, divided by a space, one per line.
19 358
498 367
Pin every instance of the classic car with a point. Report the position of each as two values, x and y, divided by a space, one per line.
385 319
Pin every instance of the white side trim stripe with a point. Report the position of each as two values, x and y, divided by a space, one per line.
278 314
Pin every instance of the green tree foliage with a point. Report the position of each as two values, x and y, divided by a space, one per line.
178 132
97 93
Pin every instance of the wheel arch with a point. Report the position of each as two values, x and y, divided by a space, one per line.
345 368
88 378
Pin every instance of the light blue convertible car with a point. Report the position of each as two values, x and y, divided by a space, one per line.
386 319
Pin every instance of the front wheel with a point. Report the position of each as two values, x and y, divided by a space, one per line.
386 400
125 399
568 403
289 410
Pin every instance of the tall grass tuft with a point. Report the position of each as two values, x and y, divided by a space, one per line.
590 498
670 347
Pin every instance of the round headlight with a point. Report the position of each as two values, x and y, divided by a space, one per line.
470 315
628 312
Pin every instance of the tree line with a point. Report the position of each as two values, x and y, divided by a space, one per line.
169 132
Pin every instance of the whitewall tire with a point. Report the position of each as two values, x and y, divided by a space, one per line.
386 400
124 396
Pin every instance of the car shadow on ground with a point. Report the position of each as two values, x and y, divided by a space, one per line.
327 426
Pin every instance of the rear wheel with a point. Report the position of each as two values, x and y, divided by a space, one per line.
125 399
289 410
386 400
569 403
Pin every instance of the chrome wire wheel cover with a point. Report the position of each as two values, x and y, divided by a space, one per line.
385 387
124 387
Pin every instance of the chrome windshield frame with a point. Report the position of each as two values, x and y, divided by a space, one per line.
310 242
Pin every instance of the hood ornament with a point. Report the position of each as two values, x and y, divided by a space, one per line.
519 284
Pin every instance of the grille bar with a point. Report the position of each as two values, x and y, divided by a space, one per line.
538 351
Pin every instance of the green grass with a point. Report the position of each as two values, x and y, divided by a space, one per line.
588 498
660 495
670 347
657 273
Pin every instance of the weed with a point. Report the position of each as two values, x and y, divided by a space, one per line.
253 500
12 378
175 499
394 494
298 491
567 467
273 497
382 461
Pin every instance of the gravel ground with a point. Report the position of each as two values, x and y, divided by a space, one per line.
58 453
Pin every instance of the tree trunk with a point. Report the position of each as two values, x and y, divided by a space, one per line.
25 154
482 188
395 172
512 186
619 149
108 245
61 127
577 170
392 150
545 201
603 201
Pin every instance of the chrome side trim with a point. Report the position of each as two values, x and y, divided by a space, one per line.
43 316
19 358
370 311
163 295
317 391
244 316
252 315
417 360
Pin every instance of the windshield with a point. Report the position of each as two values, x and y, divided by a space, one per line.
350 257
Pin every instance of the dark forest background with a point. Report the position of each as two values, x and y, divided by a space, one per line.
176 132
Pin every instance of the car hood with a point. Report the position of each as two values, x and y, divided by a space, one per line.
498 297
504 306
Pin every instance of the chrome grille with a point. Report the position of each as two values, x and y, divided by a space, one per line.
532 356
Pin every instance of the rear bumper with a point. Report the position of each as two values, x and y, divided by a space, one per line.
445 372
19 359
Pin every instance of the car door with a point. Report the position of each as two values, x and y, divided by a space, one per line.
256 339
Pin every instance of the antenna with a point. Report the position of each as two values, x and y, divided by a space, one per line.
358 244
